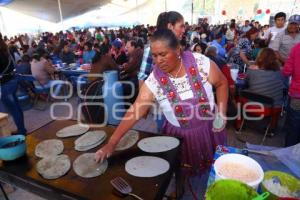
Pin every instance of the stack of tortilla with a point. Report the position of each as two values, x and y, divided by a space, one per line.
48 148
90 140
52 165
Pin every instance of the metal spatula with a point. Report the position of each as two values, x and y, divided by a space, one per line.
122 186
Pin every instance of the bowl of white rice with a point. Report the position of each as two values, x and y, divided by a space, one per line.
281 185
239 167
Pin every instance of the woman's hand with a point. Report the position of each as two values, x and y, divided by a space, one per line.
125 66
104 152
253 67
219 123
133 114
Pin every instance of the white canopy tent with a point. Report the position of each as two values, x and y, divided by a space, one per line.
21 16
49 15
52 15
34 15
48 10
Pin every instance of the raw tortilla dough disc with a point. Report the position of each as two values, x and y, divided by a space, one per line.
73 130
86 166
128 140
158 144
146 166
90 138
78 148
53 167
48 148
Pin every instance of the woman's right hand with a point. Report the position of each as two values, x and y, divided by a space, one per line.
104 152
253 67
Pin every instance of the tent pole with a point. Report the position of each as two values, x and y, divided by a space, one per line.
192 12
61 16
293 7
2 27
165 5
137 10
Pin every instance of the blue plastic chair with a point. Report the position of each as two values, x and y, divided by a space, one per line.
24 99
38 87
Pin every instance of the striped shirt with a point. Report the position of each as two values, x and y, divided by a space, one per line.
146 66
267 83
284 42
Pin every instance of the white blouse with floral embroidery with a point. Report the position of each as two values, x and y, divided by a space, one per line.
183 88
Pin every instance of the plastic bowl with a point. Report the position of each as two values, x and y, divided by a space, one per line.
14 152
286 180
241 160
231 190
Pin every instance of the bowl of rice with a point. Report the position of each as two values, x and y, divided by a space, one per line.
281 185
239 167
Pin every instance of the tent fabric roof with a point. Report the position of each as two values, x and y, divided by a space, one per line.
48 9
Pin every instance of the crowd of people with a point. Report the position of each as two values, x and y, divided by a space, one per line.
169 63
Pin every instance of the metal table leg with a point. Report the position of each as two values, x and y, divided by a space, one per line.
3 191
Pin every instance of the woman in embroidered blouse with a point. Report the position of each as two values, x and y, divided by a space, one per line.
179 79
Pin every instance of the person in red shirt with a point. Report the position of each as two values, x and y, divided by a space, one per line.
292 68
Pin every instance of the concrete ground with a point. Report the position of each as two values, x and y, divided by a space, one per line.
252 133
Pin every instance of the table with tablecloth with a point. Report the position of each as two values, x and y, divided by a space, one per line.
267 162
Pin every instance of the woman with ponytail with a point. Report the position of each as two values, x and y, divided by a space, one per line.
167 20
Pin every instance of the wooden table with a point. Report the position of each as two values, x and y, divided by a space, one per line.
22 173
4 125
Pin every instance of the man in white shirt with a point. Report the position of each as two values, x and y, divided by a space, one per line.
280 19
246 27
195 34
287 39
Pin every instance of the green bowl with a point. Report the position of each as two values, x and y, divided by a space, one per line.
230 189
287 180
